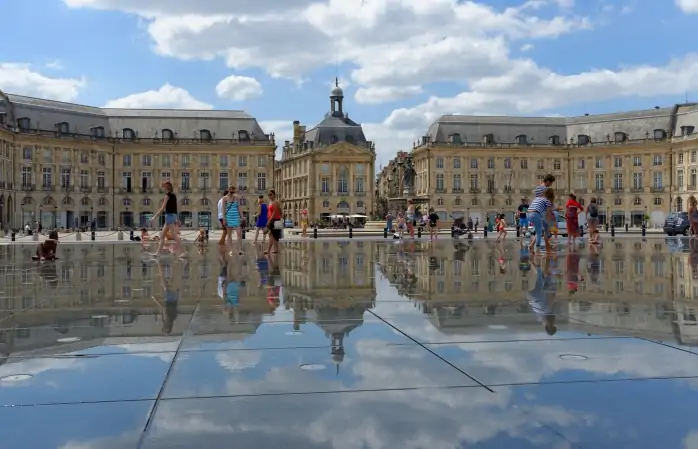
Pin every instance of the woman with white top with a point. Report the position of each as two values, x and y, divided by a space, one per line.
538 213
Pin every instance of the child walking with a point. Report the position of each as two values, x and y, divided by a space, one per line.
501 224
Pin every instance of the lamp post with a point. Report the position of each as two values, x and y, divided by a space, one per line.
55 217
92 214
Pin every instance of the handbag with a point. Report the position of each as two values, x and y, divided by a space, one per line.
278 225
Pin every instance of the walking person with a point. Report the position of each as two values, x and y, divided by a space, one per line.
221 219
693 215
233 218
261 219
572 209
538 212
433 224
304 223
275 224
521 215
411 218
501 228
169 208
593 221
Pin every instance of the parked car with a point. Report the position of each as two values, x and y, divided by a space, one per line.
288 223
561 227
677 223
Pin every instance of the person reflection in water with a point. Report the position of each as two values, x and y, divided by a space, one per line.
230 285
542 297
168 309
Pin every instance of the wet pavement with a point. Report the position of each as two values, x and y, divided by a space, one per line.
351 345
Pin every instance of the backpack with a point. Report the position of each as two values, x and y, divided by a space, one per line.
593 210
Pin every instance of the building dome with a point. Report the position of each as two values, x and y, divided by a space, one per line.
337 92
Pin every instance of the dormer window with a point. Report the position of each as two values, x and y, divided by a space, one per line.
554 140
167 135
659 134
205 135
98 132
24 123
522 139
62 128
687 130
243 135
583 139
620 137
488 139
129 134
455 139
334 139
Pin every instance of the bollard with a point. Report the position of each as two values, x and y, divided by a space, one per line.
242 232
606 227
78 237
453 232
626 227
470 235
644 230
385 232
315 232
130 235
14 236
419 232
351 232
206 235
613 231
94 236
484 232
120 235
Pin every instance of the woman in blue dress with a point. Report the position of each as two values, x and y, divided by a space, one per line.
233 217
261 219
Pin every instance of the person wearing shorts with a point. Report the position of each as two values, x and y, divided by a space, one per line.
221 219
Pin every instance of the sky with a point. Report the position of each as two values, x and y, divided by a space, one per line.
401 63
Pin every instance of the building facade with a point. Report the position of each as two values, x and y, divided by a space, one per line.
328 169
639 165
65 164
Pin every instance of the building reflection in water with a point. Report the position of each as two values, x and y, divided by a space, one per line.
107 294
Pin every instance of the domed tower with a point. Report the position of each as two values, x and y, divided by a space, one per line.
336 100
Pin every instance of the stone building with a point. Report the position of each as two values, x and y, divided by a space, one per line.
328 169
65 164
638 164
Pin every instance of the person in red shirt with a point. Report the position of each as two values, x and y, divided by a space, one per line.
572 209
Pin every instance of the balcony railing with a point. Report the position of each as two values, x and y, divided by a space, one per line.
67 188
637 190
474 190
28 187
48 188
657 189
459 190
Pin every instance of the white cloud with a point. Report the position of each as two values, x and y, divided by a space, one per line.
688 6
526 47
55 65
384 94
21 79
239 88
167 97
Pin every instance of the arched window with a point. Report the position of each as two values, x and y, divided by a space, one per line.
128 134
167 135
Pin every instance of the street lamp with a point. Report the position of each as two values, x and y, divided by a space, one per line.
91 215
55 217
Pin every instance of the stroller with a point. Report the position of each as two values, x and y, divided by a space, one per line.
458 228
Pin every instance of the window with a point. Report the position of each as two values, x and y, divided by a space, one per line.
101 159
657 181
126 181
24 123
262 182
598 180
580 164
127 160
205 135
47 177
540 164
440 181
26 176
242 161
343 181
620 137
223 181
146 201
126 202
325 184
185 161
473 163
242 181
637 180
129 134
97 132
637 201
507 163
325 203
693 156
243 135
488 139
147 160
554 140
102 201
524 164
261 161
101 179
694 178
165 176
62 128
223 160
65 177
166 160
618 181
583 139
457 182
27 153
439 162
617 162
456 163
204 180
167 135
637 161
474 181
521 139
490 163
146 181
490 184
186 181
657 160
359 184
657 201
598 163
557 164
687 130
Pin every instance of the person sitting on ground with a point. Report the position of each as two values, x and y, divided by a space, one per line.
47 249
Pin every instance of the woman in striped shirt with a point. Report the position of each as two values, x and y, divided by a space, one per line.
538 214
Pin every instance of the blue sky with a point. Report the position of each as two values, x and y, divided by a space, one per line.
398 68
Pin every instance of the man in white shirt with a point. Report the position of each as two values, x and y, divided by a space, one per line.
220 219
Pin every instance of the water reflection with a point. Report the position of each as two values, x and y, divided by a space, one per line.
99 293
